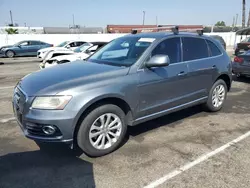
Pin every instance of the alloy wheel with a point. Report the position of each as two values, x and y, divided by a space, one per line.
218 96
105 131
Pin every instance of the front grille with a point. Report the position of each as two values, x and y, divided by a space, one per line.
19 99
35 129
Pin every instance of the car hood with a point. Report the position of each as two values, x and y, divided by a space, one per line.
53 48
8 46
71 57
56 52
65 76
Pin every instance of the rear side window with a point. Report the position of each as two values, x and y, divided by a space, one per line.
35 43
170 47
214 50
194 48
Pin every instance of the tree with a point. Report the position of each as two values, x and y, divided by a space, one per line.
11 31
220 24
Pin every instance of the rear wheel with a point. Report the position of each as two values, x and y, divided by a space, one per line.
102 130
217 96
10 54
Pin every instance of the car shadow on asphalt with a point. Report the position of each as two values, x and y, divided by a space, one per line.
57 166
242 79
170 120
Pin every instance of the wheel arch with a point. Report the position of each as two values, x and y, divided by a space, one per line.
10 50
226 79
113 99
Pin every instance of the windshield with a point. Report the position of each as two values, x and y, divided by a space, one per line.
83 47
124 51
17 44
62 44
246 39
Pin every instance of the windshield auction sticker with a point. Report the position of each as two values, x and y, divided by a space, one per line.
146 40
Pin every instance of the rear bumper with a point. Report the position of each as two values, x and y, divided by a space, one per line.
239 69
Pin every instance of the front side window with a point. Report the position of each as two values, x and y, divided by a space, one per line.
123 51
170 47
72 44
194 48
24 44
214 50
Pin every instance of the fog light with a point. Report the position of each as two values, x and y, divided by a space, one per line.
49 129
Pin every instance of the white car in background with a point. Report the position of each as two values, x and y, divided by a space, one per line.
81 53
64 46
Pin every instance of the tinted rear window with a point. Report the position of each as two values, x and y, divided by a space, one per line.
213 48
194 48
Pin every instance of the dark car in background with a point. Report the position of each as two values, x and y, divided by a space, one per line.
23 48
220 39
241 64
244 45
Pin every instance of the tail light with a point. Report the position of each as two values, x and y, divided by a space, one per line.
238 59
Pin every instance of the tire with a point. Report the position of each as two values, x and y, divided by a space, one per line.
210 104
239 76
84 140
10 54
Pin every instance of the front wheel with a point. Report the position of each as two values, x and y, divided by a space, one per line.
217 96
10 54
102 130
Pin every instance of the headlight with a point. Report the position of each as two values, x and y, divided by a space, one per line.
51 103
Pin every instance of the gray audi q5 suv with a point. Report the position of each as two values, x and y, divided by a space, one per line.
131 80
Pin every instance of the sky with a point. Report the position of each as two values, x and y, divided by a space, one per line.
91 13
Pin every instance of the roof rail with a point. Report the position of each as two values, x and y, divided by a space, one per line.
174 29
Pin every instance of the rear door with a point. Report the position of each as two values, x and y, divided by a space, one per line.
35 46
202 68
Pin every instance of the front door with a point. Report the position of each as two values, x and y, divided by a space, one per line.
23 48
163 88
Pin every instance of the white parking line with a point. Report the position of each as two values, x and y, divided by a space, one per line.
7 120
197 161
7 87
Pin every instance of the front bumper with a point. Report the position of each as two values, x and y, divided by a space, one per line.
32 121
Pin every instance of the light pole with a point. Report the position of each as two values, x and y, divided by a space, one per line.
143 19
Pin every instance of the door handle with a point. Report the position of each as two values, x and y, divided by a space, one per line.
182 73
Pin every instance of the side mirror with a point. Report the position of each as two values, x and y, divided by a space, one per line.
68 46
158 61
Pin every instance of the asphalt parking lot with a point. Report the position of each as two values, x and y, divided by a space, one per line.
152 154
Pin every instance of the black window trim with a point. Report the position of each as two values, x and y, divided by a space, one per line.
207 48
211 56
